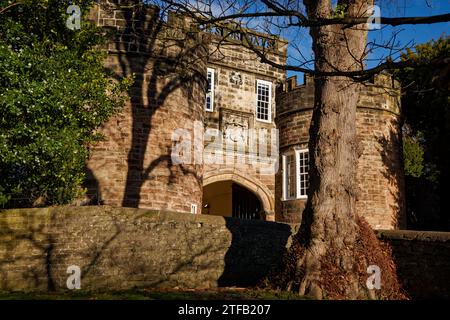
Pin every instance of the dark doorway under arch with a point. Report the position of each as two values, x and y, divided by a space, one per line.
245 204
229 199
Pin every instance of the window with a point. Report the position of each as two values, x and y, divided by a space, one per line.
263 100
289 183
295 175
302 175
209 104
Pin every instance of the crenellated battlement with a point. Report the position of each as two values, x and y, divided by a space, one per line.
249 38
140 29
135 21
382 92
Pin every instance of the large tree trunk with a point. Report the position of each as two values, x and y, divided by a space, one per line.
328 255
330 213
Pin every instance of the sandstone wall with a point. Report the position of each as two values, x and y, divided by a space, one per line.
423 261
133 165
379 172
236 72
122 248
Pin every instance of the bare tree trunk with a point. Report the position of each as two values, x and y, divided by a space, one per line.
327 252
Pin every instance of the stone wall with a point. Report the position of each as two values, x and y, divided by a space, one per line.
122 248
423 261
236 72
379 172
132 166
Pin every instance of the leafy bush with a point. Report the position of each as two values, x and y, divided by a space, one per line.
426 111
54 93
425 103
412 157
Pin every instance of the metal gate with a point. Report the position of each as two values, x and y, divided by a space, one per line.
245 204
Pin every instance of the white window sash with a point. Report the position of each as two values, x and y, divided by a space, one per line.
285 176
269 111
297 165
210 94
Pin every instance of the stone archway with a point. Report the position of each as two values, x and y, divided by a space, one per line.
261 191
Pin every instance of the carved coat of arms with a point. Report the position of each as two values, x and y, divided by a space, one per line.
236 78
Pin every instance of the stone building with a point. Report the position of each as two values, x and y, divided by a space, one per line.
380 171
212 130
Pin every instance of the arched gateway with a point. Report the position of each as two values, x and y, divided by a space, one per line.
233 195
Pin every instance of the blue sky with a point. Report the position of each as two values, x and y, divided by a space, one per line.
414 34
407 34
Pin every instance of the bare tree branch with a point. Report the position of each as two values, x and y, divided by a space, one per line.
397 21
2 10
233 26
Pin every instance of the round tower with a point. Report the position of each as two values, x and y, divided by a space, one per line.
380 169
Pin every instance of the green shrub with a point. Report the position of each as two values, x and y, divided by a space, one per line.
54 93
412 157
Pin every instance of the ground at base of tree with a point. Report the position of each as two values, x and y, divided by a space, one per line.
159 294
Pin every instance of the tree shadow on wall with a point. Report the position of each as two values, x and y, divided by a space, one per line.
37 247
417 201
93 194
409 267
34 254
37 242
256 250
34 257
393 171
164 62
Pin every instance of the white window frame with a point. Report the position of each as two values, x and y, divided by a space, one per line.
269 115
298 174
296 153
285 174
211 92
